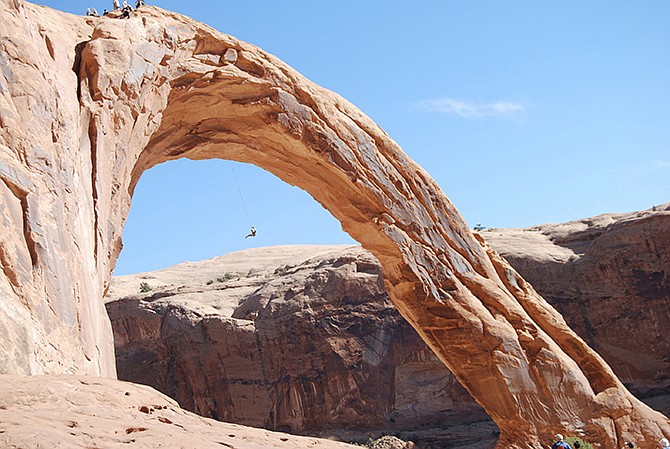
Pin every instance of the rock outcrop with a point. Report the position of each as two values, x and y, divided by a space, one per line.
295 338
609 276
88 104
87 412
304 287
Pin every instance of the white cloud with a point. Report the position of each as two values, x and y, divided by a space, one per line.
505 109
651 167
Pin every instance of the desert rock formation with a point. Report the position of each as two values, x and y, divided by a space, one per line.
296 338
88 104
341 285
609 276
85 412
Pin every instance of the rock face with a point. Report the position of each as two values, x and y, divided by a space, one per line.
609 276
297 338
88 104
85 412
54 271
333 295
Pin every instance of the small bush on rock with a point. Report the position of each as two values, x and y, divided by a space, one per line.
582 444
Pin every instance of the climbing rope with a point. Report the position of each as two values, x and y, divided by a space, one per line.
244 205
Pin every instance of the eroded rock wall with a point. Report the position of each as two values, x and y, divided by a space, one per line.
54 267
609 276
310 343
606 274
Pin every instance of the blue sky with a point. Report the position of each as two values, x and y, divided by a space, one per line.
524 112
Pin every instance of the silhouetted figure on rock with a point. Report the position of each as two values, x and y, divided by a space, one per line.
251 233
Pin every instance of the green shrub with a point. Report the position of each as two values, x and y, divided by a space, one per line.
226 277
144 287
582 444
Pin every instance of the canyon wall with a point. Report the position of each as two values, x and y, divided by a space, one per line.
88 104
55 266
306 319
295 338
609 276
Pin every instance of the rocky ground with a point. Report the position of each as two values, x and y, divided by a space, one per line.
91 412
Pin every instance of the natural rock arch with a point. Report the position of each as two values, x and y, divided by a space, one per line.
160 86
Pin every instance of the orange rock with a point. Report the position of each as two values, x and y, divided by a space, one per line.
609 276
301 338
88 104
38 411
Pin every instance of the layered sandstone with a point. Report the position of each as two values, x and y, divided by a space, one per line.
296 338
609 276
88 104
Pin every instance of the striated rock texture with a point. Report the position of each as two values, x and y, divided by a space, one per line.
609 276
296 338
54 267
88 104
89 412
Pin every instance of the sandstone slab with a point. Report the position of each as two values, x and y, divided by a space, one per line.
85 412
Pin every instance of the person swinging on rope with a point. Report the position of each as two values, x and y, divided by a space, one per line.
252 233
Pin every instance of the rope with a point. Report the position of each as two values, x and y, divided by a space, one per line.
237 184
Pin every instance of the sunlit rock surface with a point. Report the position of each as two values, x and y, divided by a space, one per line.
296 338
94 412
88 104
282 289
609 276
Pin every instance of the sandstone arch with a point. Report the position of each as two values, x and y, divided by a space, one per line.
132 94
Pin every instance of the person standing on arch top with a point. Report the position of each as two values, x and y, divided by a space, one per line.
559 443
116 4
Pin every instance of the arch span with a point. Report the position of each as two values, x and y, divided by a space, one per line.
160 86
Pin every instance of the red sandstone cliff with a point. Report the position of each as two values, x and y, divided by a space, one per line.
318 318
297 338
